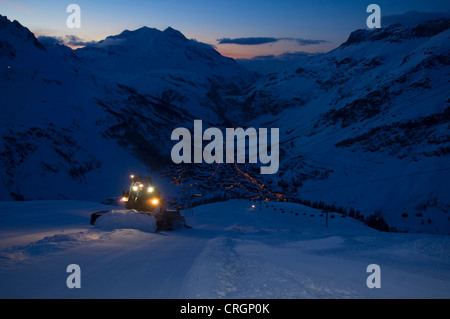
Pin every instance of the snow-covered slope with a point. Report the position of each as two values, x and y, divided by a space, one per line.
232 251
365 126
52 143
73 127
168 66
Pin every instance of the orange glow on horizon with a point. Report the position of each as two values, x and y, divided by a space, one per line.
250 51
236 54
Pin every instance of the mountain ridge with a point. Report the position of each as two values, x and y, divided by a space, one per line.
357 116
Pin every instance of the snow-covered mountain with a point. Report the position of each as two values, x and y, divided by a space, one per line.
49 141
168 66
72 130
367 124
363 127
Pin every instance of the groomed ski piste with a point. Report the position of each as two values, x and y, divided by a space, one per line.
233 251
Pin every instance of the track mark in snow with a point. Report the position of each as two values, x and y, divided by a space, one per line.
229 267
215 271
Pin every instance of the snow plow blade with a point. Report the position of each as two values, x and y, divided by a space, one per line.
169 219
166 219
96 215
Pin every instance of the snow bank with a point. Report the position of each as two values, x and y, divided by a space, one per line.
117 219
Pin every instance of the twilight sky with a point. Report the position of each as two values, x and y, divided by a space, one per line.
282 25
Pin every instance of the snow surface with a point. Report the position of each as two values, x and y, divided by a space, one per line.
278 250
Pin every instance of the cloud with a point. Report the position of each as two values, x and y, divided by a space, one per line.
69 40
247 41
73 40
49 41
264 40
303 42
